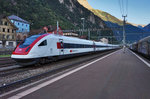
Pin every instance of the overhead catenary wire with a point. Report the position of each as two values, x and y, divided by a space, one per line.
120 7
123 5
126 7
124 11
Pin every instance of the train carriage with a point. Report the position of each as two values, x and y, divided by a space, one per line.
42 47
144 46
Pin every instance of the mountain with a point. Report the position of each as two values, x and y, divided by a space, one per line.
46 12
103 15
85 4
133 33
139 26
147 28
106 16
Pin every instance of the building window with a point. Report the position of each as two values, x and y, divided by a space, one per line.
7 37
6 23
12 31
18 23
13 37
10 43
12 21
22 30
8 30
3 29
22 24
3 36
1 22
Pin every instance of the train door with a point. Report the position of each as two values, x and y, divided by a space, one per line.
94 46
61 50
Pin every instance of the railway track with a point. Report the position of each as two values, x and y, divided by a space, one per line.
22 75
6 61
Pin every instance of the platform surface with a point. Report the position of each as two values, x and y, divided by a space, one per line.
118 76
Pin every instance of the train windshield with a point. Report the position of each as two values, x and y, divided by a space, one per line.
28 41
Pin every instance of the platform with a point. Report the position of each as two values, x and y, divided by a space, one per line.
116 76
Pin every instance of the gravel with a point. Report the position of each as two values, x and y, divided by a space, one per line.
33 71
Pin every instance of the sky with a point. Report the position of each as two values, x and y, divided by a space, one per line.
138 10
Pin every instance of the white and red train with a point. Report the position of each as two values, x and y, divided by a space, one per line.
42 47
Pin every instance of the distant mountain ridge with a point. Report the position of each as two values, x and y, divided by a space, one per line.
106 16
103 15
139 25
147 28
134 32
85 4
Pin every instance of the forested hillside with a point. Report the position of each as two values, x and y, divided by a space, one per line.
46 12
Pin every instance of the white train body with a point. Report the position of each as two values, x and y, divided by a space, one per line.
54 46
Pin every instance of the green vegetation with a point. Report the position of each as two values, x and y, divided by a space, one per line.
5 56
101 14
37 12
41 13
46 12
106 16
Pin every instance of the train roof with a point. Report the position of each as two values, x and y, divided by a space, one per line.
78 39
145 39
84 40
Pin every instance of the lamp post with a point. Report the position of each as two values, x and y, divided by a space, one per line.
83 19
124 33
57 27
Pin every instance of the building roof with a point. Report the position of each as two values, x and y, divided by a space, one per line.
5 17
14 17
71 34
2 16
53 29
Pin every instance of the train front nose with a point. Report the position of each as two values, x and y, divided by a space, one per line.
22 56
21 51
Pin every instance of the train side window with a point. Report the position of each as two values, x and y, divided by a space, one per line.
44 43
148 41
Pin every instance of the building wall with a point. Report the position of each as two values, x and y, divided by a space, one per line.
21 36
104 40
71 34
11 43
7 32
22 27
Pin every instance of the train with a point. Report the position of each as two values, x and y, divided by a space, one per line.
40 48
142 47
